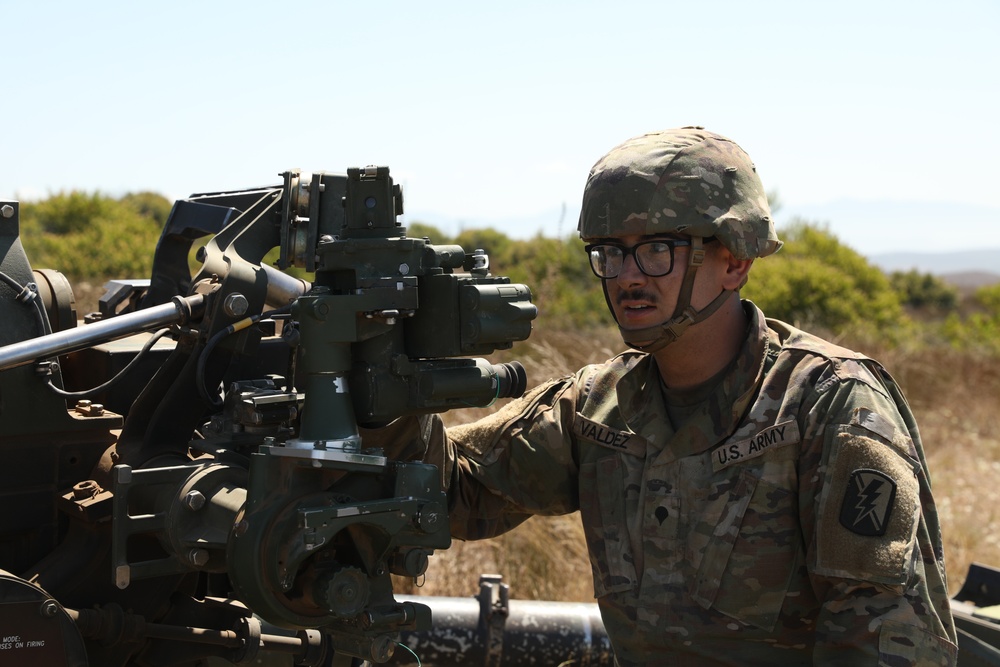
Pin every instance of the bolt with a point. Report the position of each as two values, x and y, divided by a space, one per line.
46 368
86 489
321 309
49 608
89 409
194 500
198 557
236 305
7 211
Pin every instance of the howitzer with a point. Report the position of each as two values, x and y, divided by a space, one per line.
216 501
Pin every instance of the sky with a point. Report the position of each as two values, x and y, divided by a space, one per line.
877 119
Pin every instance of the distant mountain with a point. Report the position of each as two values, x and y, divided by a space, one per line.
968 266
970 280
876 228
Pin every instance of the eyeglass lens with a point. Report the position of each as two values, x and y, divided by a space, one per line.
654 258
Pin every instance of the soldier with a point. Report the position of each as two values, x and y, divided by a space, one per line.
751 494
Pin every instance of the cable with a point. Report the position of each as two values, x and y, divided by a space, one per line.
29 293
118 376
215 401
417 657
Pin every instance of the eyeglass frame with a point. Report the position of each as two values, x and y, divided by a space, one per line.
669 242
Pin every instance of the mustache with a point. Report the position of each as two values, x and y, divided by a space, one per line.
635 295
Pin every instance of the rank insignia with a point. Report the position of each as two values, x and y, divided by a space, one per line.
868 503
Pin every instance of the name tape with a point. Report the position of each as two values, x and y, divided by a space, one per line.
622 441
778 435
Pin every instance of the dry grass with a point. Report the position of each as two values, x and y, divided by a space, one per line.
955 397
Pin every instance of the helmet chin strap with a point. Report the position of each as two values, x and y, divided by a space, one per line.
684 315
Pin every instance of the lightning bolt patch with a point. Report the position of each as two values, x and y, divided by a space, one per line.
868 502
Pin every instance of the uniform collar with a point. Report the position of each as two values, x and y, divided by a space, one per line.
642 407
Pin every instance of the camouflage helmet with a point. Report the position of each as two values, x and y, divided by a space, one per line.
687 181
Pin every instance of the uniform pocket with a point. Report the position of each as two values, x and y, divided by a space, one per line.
602 508
748 563
901 644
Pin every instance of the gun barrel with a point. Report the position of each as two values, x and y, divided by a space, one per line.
176 312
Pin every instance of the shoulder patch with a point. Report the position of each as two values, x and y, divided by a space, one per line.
868 512
605 436
868 503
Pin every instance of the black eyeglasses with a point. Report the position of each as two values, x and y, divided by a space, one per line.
654 258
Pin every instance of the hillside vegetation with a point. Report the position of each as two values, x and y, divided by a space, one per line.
942 346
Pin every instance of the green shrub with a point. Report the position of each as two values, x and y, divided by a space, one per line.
817 282
88 236
150 205
979 331
923 290
69 213
989 299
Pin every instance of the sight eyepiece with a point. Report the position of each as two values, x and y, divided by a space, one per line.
512 379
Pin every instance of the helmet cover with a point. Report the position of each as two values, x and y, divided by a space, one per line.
683 181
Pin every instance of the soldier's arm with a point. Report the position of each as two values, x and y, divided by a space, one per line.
873 546
502 469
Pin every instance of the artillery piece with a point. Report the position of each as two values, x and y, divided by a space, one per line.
215 501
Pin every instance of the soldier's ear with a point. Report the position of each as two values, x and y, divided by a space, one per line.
735 272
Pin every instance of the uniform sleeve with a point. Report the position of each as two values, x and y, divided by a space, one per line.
500 470
873 544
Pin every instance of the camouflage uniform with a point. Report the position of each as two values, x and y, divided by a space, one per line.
779 514
787 520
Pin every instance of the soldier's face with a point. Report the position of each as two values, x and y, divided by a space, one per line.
640 300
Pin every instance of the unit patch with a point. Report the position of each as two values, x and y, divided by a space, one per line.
868 503
729 453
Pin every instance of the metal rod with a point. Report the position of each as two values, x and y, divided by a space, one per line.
177 311
282 288
102 625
